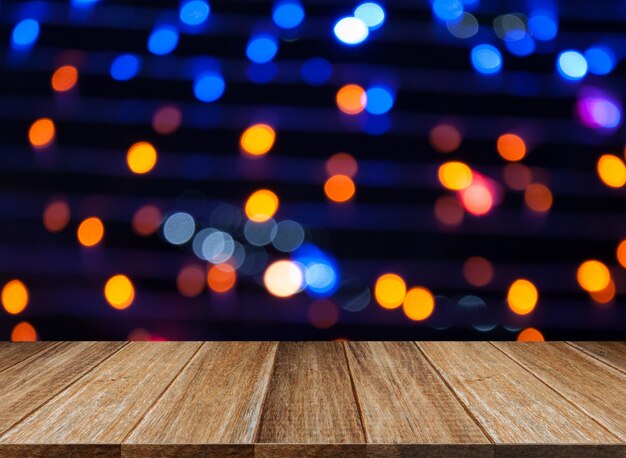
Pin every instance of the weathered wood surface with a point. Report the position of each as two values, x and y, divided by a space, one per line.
313 399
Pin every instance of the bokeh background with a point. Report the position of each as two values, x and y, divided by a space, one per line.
324 169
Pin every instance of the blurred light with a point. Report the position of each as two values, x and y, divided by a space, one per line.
597 110
351 31
606 295
444 138
478 271
261 205
419 304
146 220
257 139
542 26
221 278
316 71
23 332
289 236
339 188
320 277
141 157
288 14
25 33
601 60
84 3
517 176
572 65
379 100
612 171
209 87
342 164
218 247
486 59
254 260
262 48
351 99
119 292
64 78
163 40
477 199
260 234
465 26
198 242
447 10
124 67
511 147
283 278
41 133
538 197
56 215
167 119
522 47
14 297
194 12
455 175
530 335
179 228
621 254
390 291
593 276
449 211
323 314
509 27
239 256
522 297
372 14
139 335
90 232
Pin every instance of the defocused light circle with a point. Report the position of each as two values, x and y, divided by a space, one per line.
257 139
316 71
119 292
262 48
25 33
477 199
283 278
612 171
593 276
64 78
167 119
179 228
621 254
221 278
194 12
146 220
379 100
351 99
289 236
351 31
601 60
261 205
522 297
90 232
339 188
124 67
448 10
449 211
218 247
141 157
390 291
455 175
23 332
572 65
486 59
342 164
190 280
41 133
530 335
478 271
163 40
56 216
543 27
209 87
463 27
538 197
372 14
288 14
320 277
511 147
444 138
419 304
260 234
14 297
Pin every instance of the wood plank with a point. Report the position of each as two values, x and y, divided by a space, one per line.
595 388
513 406
103 406
611 353
310 408
13 352
407 410
216 401
30 383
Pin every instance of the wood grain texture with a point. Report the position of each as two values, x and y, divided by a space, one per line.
513 406
594 387
403 401
33 381
310 401
216 400
13 352
611 353
104 405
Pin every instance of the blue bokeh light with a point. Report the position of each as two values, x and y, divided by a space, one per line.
572 65
351 31
543 26
601 60
262 48
379 100
84 3
288 14
320 270
125 67
448 10
486 59
163 40
194 12
523 47
316 71
25 33
262 73
371 13
209 87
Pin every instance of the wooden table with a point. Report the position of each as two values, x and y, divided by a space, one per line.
312 399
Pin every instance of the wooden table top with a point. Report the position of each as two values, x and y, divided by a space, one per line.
313 399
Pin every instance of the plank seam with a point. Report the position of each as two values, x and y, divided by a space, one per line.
54 344
158 398
456 396
46 401
555 390
355 394
257 428
594 356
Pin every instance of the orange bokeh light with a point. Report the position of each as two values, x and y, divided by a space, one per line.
538 197
14 297
444 138
190 280
23 332
593 276
119 292
606 295
261 205
339 188
530 335
64 78
449 211
419 304
141 157
90 232
621 253
221 278
517 176
56 215
351 99
511 147
41 133
257 140
612 171
455 175
342 164
478 271
146 220
477 199
522 297
390 291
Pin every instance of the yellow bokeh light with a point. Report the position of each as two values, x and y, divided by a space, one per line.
455 175
621 253
339 188
23 332
90 231
64 78
530 335
593 276
141 157
258 139
511 147
14 297
283 278
612 171
351 99
119 292
261 205
41 133
419 304
522 297
390 291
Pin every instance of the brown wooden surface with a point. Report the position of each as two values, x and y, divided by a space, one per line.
312 399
